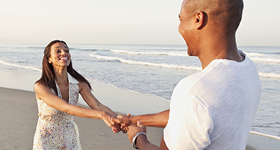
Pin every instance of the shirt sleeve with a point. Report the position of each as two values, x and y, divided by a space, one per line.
189 125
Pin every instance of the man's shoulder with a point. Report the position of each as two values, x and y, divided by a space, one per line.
191 78
188 82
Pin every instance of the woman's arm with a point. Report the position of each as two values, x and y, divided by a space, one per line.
44 93
92 102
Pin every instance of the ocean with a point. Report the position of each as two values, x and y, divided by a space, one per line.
154 69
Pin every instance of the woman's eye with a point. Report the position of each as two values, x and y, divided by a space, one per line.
58 51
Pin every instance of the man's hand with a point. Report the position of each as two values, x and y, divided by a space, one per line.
133 130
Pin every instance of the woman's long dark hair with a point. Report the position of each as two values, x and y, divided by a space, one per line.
48 75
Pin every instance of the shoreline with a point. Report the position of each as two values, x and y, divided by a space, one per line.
20 108
266 135
119 100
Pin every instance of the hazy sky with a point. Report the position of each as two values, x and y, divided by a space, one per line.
122 22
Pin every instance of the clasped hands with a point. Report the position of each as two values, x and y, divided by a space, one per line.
124 124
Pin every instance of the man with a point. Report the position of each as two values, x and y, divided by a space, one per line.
212 109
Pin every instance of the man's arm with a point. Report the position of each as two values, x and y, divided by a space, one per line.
143 144
141 140
153 120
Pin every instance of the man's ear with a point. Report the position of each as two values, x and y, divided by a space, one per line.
200 20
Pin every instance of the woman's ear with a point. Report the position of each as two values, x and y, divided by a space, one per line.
200 20
50 61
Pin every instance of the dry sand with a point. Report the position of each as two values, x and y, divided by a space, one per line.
19 117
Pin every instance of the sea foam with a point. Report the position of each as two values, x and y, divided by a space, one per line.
161 53
19 66
174 66
127 61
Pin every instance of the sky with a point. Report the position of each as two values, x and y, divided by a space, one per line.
122 22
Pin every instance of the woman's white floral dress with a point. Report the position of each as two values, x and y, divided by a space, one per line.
56 130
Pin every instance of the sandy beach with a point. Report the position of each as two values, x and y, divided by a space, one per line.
19 116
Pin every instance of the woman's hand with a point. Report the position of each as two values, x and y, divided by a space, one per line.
108 120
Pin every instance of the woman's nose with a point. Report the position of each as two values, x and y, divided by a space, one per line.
63 52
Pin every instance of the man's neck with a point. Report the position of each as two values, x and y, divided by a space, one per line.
223 50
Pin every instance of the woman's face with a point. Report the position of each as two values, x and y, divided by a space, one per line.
59 55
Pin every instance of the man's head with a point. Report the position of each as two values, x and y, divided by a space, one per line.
208 18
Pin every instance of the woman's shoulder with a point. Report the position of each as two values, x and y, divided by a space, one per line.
82 84
38 86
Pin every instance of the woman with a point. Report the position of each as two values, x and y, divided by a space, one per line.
57 95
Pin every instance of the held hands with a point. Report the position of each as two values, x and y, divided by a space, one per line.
118 124
123 121
109 121
133 132
127 126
